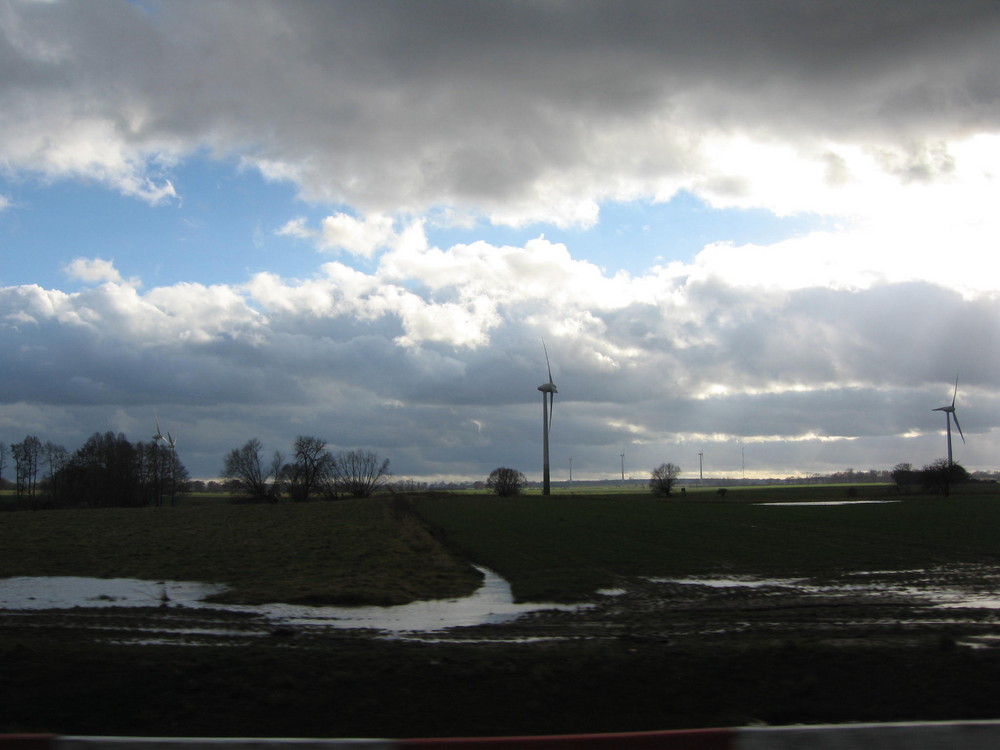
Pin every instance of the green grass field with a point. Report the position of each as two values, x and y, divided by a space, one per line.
566 548
560 548
349 552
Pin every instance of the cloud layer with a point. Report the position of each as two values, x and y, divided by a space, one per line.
519 110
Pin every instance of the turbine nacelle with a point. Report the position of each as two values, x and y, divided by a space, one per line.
548 388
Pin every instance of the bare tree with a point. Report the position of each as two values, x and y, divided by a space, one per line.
3 459
56 457
506 482
244 468
27 457
663 478
313 467
359 473
153 461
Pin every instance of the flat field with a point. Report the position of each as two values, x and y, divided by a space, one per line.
564 548
349 552
700 612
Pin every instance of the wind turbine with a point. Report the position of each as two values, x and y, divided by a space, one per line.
949 414
549 392
172 444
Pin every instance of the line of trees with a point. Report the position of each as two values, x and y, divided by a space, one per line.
938 476
313 472
106 471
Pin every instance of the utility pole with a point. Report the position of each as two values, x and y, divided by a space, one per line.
571 469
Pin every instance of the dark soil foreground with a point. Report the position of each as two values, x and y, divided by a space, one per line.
660 656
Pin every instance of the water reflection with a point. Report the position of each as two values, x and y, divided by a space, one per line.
492 603
936 588
731 583
63 592
832 502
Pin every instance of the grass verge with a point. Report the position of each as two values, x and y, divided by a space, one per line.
350 552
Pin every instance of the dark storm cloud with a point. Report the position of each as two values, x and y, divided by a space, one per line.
396 105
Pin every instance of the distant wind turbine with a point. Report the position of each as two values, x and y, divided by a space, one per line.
949 414
172 444
549 392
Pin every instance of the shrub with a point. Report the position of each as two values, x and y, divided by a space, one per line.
506 482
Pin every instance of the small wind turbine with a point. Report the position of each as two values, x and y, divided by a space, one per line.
701 464
549 392
172 444
949 414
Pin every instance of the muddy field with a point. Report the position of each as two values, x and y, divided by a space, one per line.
650 654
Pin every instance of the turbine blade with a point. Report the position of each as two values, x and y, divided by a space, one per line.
955 417
955 394
552 407
547 365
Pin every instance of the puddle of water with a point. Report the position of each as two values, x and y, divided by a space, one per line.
980 642
728 583
833 502
63 592
492 603
976 601
938 595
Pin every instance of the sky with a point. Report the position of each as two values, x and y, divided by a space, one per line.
756 238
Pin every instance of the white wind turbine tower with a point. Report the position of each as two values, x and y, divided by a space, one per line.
549 392
949 414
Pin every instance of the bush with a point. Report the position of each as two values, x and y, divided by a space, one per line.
506 482
940 475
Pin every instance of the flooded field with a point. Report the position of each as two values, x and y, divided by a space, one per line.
668 616
140 657
492 603
877 606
